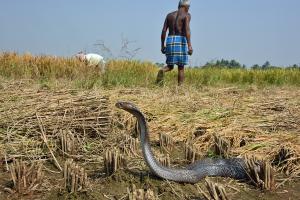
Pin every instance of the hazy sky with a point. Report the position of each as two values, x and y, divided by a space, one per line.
250 31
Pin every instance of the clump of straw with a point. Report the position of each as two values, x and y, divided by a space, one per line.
140 194
75 177
191 152
261 173
216 191
166 142
130 146
222 147
113 161
67 141
165 160
287 161
26 179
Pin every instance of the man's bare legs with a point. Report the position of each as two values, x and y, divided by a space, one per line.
161 72
180 75
168 68
160 75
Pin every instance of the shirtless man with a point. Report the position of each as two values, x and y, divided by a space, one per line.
178 45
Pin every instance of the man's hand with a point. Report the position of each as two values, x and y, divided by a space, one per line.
190 52
163 50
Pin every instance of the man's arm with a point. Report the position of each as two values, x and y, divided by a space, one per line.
163 35
188 33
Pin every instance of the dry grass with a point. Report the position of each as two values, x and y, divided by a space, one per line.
50 70
216 191
26 178
261 173
260 122
166 142
28 66
192 154
75 177
113 161
37 124
140 194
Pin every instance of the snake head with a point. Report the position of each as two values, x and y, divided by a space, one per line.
126 106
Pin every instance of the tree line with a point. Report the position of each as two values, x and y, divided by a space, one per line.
233 64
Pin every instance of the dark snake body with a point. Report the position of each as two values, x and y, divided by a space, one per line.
234 168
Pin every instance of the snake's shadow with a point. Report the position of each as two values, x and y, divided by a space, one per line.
142 175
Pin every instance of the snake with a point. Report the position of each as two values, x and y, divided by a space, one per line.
214 167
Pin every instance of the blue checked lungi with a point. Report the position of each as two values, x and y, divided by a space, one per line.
177 50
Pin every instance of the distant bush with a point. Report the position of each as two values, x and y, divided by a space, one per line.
224 64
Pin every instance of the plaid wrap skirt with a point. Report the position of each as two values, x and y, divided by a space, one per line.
177 50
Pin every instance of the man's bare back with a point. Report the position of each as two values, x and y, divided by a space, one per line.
176 22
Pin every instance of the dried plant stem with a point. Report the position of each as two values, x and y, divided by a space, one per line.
166 142
25 179
216 191
44 138
191 152
165 160
113 161
140 194
222 147
261 173
75 177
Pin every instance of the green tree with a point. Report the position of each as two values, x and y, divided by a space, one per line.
256 66
266 65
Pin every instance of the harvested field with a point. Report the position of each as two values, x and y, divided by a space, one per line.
48 127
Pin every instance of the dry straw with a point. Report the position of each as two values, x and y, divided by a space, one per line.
26 178
165 160
166 142
191 152
222 147
261 173
140 194
31 120
68 142
83 112
287 160
113 161
254 119
215 191
130 146
75 177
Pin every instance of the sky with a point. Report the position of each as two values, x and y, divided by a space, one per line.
250 31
